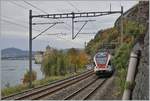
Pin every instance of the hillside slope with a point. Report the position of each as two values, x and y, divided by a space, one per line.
14 53
141 89
134 24
135 30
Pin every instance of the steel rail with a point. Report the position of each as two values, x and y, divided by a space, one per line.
59 87
92 91
12 96
74 93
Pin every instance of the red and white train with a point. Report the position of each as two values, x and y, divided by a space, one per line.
103 66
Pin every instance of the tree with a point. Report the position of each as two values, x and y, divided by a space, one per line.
59 62
72 54
54 63
46 65
83 59
62 65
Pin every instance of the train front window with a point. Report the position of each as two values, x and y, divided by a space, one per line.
101 60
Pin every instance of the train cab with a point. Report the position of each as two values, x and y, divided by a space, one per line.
103 66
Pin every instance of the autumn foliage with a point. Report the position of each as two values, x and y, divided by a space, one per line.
58 62
26 78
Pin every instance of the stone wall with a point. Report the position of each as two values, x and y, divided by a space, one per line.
140 13
141 90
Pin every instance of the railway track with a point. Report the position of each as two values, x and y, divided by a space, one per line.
85 92
45 90
92 91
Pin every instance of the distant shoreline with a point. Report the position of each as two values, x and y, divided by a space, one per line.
15 59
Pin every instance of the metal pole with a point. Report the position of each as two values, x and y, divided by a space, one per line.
85 44
110 7
121 24
72 25
30 47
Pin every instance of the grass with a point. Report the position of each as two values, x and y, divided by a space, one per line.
130 85
132 30
120 61
22 87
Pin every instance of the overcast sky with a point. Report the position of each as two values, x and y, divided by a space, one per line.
14 22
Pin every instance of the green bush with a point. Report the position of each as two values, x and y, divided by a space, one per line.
26 78
129 85
133 28
120 62
15 89
122 55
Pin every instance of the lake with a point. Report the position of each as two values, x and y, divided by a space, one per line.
12 71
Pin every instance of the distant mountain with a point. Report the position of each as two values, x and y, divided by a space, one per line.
66 50
14 53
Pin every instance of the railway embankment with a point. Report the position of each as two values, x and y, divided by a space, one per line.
140 14
135 36
141 88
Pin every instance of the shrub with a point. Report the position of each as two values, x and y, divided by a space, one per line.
129 85
26 78
133 28
120 61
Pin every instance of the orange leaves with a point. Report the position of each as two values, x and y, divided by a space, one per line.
72 54
127 39
26 78
83 58
79 58
104 36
